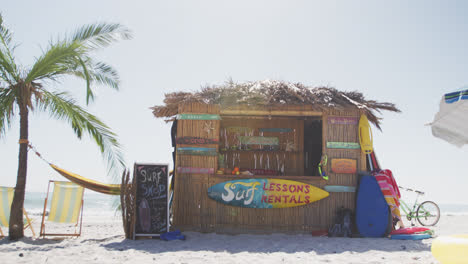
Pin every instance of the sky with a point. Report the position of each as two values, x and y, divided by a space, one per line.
408 53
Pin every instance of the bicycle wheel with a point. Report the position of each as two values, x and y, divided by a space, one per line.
428 213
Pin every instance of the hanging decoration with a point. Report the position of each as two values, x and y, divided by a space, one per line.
323 164
208 127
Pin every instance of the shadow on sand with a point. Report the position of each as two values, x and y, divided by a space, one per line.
268 244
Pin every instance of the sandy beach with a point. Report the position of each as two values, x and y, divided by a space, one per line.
103 241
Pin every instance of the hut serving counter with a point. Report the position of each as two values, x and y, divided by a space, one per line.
196 212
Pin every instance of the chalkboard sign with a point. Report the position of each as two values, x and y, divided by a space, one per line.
151 211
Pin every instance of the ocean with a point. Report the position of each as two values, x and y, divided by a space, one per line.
95 204
453 209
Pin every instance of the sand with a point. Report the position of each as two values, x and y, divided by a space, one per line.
102 241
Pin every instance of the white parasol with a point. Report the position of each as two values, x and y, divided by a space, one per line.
451 122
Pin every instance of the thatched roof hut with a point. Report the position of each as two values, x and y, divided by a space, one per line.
273 93
270 131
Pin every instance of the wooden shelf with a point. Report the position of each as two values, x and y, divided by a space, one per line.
262 151
285 177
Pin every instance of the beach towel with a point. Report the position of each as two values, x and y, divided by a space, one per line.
390 190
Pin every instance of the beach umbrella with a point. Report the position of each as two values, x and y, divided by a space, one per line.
451 122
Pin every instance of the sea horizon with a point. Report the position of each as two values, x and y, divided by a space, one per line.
97 204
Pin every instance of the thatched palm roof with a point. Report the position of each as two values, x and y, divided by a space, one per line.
274 93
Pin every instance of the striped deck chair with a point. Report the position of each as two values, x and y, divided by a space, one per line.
6 198
66 207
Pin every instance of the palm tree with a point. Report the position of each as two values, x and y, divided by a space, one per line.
23 90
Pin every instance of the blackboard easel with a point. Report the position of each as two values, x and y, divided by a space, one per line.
151 211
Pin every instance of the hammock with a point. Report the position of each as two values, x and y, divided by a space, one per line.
113 189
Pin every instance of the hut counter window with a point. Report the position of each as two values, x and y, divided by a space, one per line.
268 145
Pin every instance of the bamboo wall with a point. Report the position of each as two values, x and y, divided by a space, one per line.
190 190
194 211
340 133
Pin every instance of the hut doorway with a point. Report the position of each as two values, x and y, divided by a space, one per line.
312 146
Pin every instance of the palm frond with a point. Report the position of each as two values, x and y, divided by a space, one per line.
89 92
99 72
100 35
60 106
7 106
8 68
5 33
59 59
106 75
71 57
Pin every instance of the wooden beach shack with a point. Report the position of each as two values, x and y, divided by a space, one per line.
273 130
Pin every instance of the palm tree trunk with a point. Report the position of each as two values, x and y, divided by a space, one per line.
16 214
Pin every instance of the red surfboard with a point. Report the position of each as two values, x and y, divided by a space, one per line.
409 230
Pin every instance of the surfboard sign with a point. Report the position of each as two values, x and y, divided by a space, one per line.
265 193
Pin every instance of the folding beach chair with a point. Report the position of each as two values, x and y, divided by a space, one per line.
66 207
6 198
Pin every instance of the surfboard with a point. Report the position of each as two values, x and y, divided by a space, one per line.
372 212
339 188
265 193
365 135
409 230
451 249
410 236
144 211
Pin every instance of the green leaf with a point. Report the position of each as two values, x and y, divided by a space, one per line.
8 69
64 108
58 60
89 92
7 105
100 73
100 35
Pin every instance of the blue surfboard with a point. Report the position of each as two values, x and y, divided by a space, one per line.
411 236
372 212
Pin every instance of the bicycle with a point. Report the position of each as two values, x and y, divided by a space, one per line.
427 213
